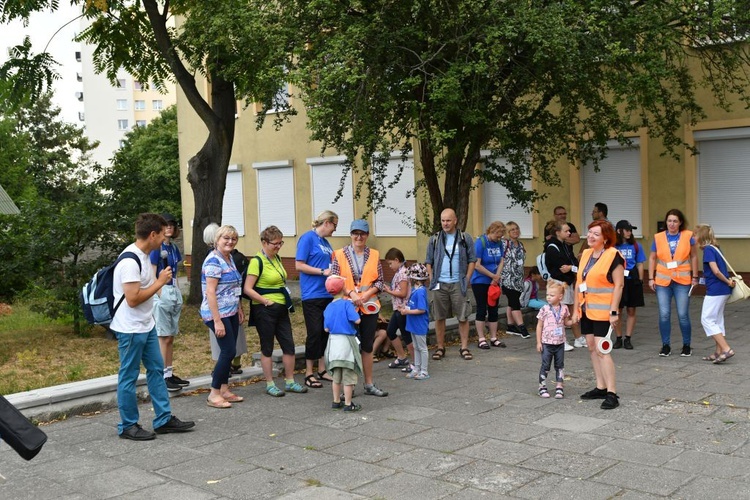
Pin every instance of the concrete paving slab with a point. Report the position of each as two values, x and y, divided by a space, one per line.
346 474
428 463
711 464
572 423
641 478
403 485
554 486
636 452
493 477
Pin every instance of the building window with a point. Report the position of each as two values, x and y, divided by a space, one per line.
326 179
140 123
618 184
497 207
276 188
397 217
723 175
137 85
139 105
281 100
121 84
233 206
157 104
122 104
122 124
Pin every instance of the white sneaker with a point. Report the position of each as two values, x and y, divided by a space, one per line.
568 347
580 342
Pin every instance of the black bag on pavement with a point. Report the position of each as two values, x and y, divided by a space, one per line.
16 430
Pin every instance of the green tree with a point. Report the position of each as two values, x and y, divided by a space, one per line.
533 81
48 249
145 171
229 43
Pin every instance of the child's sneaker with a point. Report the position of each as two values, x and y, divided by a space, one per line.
543 392
412 374
422 376
352 407
559 393
407 369
337 406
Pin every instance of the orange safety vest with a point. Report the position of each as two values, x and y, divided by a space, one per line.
369 273
680 274
598 295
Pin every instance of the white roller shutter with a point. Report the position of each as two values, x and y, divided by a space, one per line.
617 184
723 176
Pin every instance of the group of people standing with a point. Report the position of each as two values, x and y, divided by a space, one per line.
586 292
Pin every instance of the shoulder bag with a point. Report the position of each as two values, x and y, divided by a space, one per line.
740 291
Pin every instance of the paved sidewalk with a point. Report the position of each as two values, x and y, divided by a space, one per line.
476 428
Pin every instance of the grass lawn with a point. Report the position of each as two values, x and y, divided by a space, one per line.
37 352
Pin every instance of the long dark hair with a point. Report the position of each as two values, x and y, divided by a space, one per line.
679 214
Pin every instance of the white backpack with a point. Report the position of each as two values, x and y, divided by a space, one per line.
541 263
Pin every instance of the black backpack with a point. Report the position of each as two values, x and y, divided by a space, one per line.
97 296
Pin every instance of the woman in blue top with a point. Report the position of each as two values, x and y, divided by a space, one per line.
221 284
489 251
718 289
313 262
632 293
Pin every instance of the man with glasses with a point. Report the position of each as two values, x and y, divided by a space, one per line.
561 215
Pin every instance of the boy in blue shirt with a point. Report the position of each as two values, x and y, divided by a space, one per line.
343 359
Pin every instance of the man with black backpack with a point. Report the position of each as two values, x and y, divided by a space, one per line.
133 325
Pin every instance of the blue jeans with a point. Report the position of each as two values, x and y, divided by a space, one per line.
136 348
228 346
664 296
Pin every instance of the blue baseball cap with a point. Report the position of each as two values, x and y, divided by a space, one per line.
359 225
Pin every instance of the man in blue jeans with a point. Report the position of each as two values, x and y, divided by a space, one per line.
134 326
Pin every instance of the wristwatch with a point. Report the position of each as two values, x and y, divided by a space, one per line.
613 313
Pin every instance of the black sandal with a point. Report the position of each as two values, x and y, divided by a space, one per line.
322 376
483 344
497 343
438 354
311 381
466 354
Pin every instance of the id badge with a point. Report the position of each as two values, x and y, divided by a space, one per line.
436 287
582 287
627 273
672 264
559 331
237 292
701 280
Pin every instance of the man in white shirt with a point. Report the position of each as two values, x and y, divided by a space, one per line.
133 325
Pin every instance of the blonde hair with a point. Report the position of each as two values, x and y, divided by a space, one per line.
495 226
704 235
553 283
225 231
323 217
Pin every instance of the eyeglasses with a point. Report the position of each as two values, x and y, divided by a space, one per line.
335 224
277 244
359 234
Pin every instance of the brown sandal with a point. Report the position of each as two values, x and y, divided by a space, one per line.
466 354
438 354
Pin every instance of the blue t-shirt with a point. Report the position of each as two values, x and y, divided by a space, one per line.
173 258
339 317
449 269
714 286
491 253
418 324
227 290
314 251
672 239
634 255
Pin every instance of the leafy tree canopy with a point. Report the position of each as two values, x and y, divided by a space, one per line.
145 172
531 81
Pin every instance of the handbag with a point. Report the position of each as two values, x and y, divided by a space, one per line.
740 291
16 430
